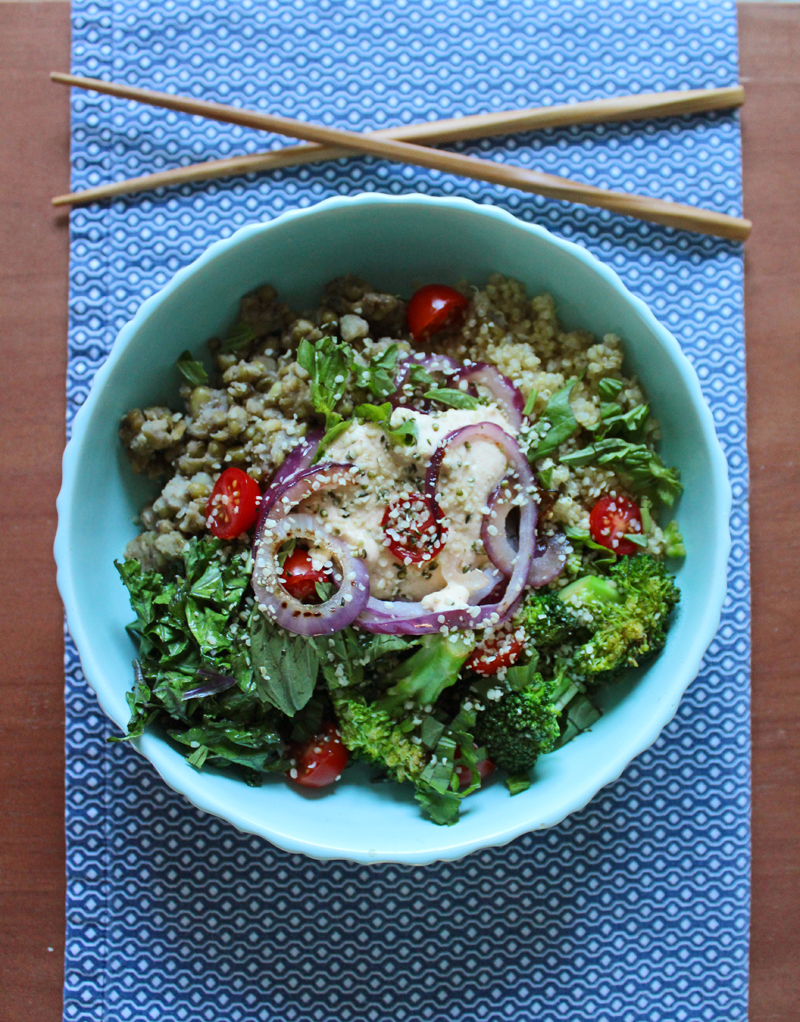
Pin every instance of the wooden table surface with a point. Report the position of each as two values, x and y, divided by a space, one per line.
34 155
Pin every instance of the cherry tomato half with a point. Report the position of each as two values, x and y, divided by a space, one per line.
432 308
413 529
299 577
485 767
319 761
233 505
610 519
502 650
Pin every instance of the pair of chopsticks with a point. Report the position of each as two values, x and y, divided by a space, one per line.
401 146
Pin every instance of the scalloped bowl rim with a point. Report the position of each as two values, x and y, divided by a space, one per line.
157 751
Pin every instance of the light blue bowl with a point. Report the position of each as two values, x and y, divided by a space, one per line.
396 243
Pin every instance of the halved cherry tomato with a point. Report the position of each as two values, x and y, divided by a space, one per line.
485 767
502 650
319 761
610 519
233 505
432 308
413 529
299 576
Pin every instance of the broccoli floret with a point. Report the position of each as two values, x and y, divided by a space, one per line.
628 616
423 677
547 620
372 734
520 726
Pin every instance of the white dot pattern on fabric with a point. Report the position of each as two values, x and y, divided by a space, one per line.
636 908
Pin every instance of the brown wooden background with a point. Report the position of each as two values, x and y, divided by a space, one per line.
34 156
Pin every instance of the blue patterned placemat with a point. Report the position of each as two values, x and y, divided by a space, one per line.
635 908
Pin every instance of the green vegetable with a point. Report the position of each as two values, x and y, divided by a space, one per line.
529 404
404 434
452 398
641 469
422 678
328 366
373 735
193 371
285 666
420 377
591 592
239 336
547 620
519 727
673 541
188 617
608 388
628 617
631 424
332 434
562 422
377 375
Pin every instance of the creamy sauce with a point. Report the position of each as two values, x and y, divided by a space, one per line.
467 479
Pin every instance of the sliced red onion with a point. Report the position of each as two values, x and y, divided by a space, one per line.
506 396
548 561
297 461
212 684
383 617
502 552
431 363
319 478
279 606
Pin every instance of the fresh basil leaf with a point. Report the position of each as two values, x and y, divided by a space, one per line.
608 388
333 434
420 377
377 375
327 363
193 371
640 468
441 806
452 398
325 590
430 731
403 435
584 537
633 424
374 413
522 676
239 336
286 549
285 666
562 422
517 783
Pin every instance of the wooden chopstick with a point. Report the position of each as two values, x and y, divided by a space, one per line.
651 104
345 143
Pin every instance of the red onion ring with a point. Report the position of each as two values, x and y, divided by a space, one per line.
277 604
548 564
331 475
506 396
498 546
384 617
431 363
548 560
297 461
